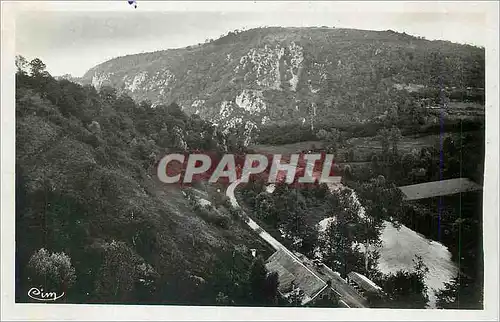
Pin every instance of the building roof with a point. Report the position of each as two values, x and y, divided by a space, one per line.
439 188
291 270
310 278
347 294
364 282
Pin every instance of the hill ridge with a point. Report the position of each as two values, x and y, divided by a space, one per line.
304 76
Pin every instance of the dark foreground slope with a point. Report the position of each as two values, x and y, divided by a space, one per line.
91 220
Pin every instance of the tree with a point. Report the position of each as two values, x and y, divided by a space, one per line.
296 296
417 113
263 285
360 224
294 216
145 104
271 285
178 139
348 172
395 137
339 243
382 200
264 205
174 111
236 139
52 270
392 116
257 281
322 134
461 293
309 240
407 290
125 104
37 67
375 164
117 275
21 64
408 162
108 94
383 135
223 299
331 138
327 300
350 155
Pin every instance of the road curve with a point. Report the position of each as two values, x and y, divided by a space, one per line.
262 233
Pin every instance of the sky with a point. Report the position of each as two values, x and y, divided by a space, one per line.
72 37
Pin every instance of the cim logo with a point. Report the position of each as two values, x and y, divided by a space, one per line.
40 295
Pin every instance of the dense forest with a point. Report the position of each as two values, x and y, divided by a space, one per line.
92 221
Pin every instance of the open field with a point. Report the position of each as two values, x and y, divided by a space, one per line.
465 110
364 146
287 148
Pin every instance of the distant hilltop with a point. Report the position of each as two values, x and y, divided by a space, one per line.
69 77
302 76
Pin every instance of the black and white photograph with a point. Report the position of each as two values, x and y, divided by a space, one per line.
276 158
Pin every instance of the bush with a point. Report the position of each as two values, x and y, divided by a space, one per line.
51 270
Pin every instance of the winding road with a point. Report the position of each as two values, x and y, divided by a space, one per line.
262 233
348 296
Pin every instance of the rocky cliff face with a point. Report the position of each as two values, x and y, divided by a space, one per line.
292 75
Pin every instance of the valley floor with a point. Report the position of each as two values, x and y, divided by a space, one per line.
399 248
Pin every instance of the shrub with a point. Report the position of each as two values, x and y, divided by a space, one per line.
52 270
